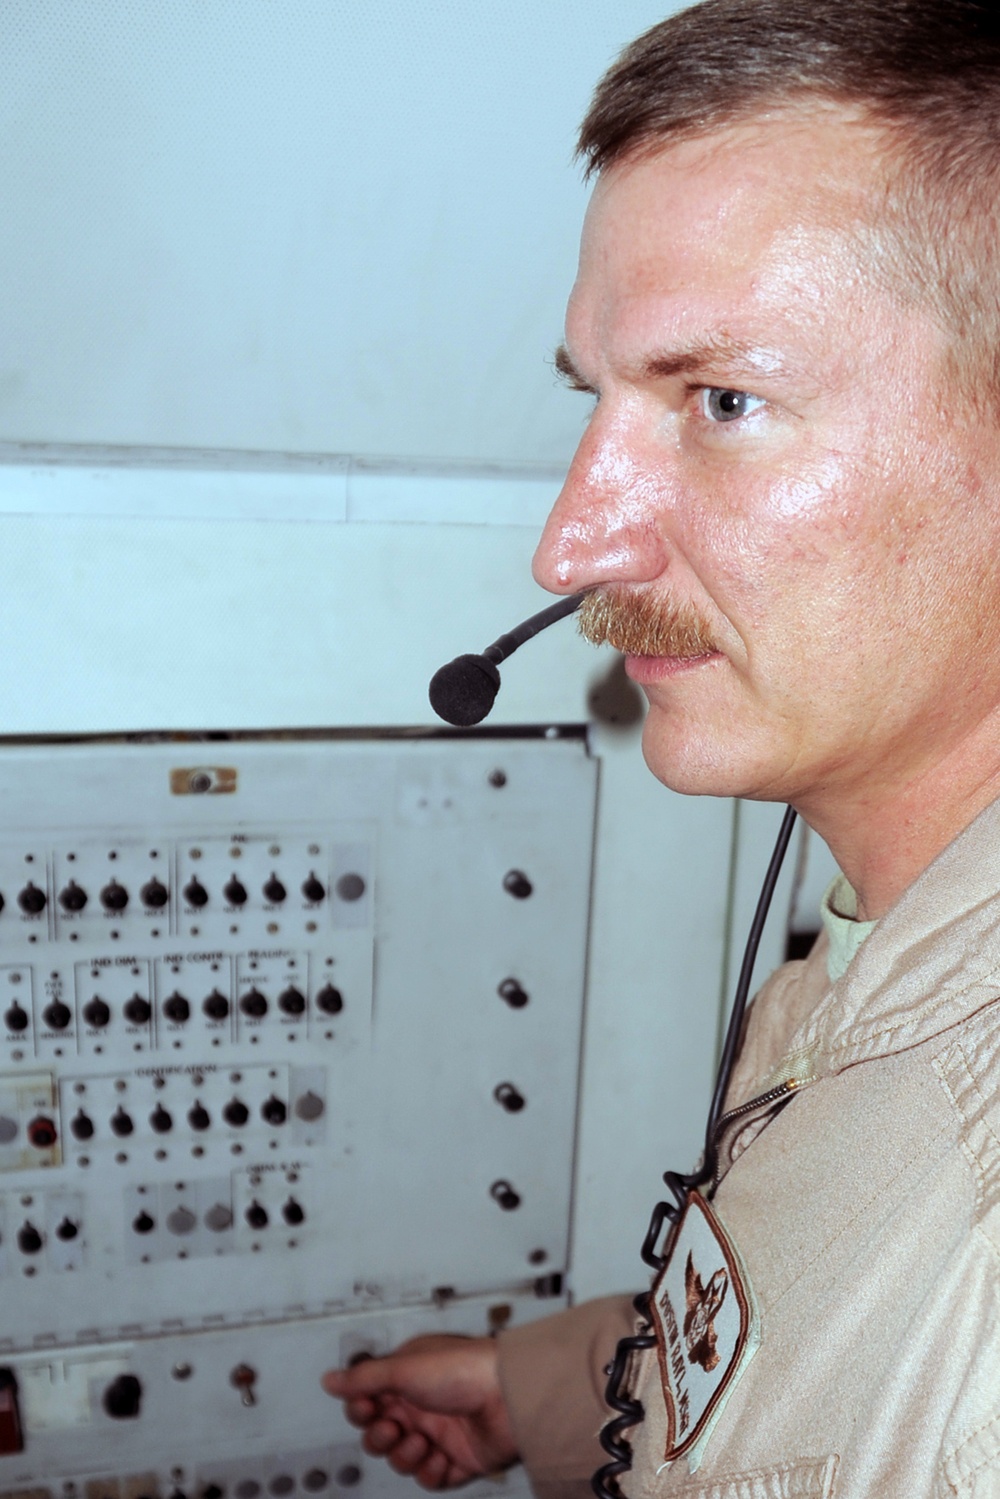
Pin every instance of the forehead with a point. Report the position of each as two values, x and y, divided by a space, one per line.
764 219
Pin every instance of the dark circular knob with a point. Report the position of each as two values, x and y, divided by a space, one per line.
216 1006
330 1000
121 1122
73 898
176 1008
273 1110
144 1224
57 1016
503 1193
137 1010
16 1018
114 897
256 1215
82 1126
235 893
123 1397
236 1112
160 1120
195 894
31 899
350 887
516 883
293 1212
274 891
310 1106
509 1098
254 1004
292 1002
67 1230
96 1012
29 1240
2 902
511 991
42 1132
154 894
199 1117
313 889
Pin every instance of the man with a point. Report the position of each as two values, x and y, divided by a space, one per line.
786 512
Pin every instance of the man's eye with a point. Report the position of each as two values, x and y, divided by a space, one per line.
721 405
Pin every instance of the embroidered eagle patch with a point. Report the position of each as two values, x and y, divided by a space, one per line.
705 1323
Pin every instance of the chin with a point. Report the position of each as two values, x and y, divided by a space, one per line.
693 765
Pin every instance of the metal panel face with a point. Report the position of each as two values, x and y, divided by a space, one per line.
288 1030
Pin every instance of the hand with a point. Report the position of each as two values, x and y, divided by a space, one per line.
434 1409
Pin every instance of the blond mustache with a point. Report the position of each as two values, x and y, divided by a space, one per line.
638 625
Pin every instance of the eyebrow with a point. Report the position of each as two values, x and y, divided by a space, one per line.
735 356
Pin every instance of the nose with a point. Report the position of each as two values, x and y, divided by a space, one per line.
605 526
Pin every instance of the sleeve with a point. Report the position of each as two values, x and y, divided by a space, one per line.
553 1374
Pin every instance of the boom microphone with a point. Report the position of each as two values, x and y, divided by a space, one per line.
464 691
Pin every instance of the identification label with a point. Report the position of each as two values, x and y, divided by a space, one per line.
706 1325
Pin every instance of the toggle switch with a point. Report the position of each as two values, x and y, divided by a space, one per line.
216 1006
509 1098
177 1008
198 1116
273 1110
114 897
16 1018
244 1378
96 1012
513 993
160 1120
313 889
73 897
121 1123
82 1125
236 1113
503 1193
155 895
274 891
330 1000
137 1010
32 900
195 894
29 1240
235 892
292 1001
57 1016
254 1004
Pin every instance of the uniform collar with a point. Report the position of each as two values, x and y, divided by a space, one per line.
928 964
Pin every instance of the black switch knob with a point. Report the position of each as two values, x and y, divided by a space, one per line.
511 991
509 1098
176 1008
29 1240
82 1126
160 1120
216 1006
67 1230
503 1193
274 891
96 1012
73 898
236 1112
31 899
293 1212
330 1000
121 1122
144 1224
235 893
114 897
56 1015
314 890
273 1110
256 1215
123 1397
292 1001
199 1117
254 1004
137 1010
16 1018
516 883
195 894
155 895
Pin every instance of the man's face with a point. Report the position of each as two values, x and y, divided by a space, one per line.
776 454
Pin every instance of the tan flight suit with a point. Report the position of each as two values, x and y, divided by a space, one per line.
867 1215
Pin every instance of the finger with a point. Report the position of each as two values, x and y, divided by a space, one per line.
432 1473
409 1452
369 1376
361 1412
381 1437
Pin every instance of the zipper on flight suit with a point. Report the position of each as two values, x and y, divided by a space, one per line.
772 1101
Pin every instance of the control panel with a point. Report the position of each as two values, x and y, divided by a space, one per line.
289 1041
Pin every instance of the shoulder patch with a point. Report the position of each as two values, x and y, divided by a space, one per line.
706 1325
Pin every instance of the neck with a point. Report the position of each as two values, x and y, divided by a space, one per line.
883 843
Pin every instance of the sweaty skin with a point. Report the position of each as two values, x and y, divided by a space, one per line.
779 457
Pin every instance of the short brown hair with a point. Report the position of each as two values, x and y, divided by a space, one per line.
928 71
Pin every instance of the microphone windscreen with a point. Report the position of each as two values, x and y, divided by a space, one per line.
464 691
